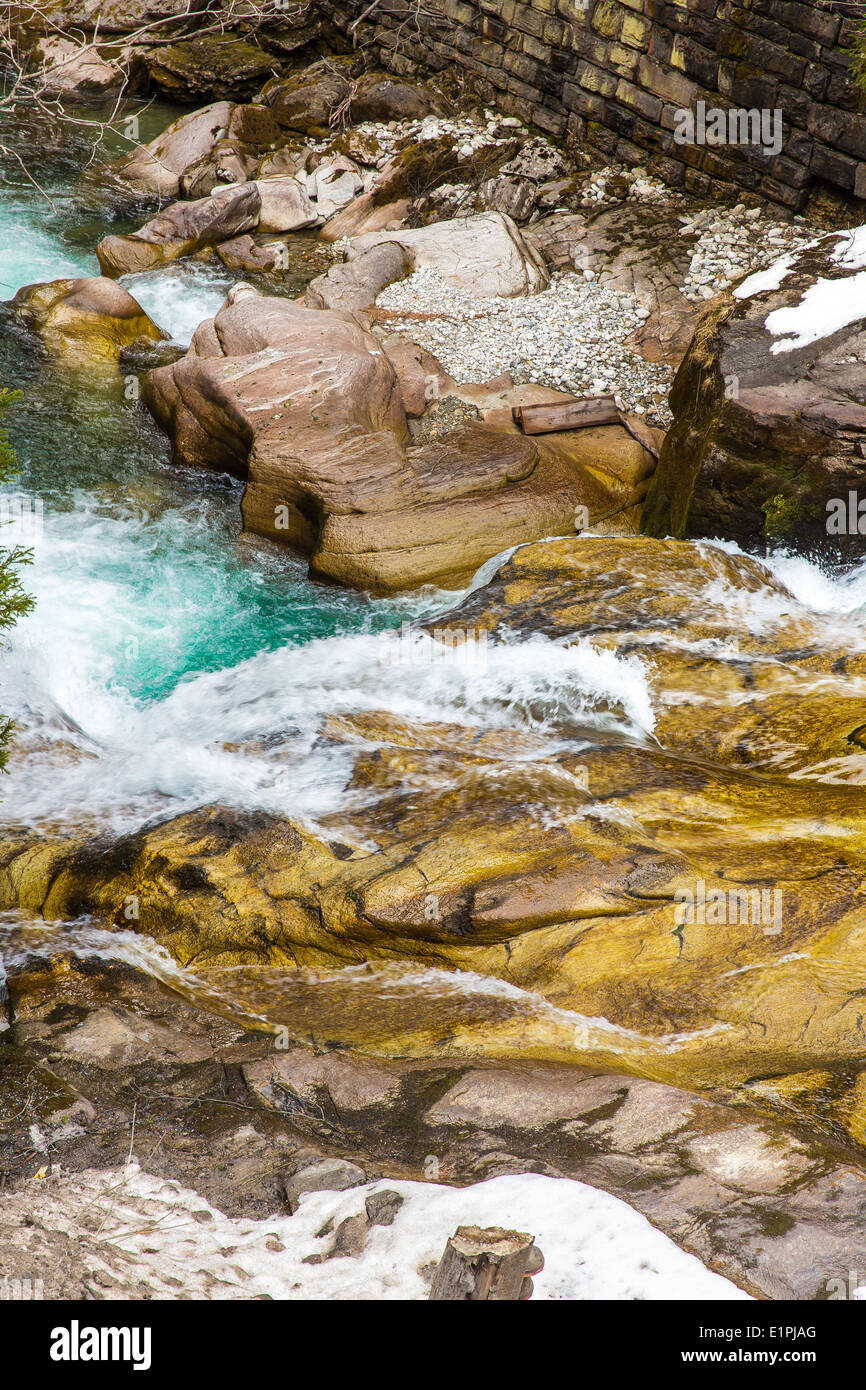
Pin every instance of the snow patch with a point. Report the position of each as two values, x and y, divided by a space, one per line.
594 1245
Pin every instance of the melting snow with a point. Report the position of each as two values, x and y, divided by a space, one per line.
594 1245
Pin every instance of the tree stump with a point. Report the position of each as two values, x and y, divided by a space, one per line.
490 1263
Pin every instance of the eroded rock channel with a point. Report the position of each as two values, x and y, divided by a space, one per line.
397 795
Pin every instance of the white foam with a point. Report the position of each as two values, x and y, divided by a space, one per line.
179 298
95 750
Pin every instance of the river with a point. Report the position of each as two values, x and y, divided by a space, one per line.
172 662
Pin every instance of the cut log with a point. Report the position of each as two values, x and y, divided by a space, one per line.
487 1263
640 430
566 415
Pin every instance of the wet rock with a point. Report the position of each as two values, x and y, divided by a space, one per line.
423 163
355 285
337 90
366 213
37 1101
221 65
779 1213
181 230
115 1038
254 124
76 70
308 101
244 254
380 97
91 320
229 162
327 1082
770 409
318 428
285 162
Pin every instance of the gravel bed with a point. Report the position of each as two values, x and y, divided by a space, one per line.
735 242
569 337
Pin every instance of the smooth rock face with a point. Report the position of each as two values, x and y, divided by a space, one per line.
92 319
243 253
354 285
285 206
306 405
770 407
182 229
560 871
485 255
157 167
229 162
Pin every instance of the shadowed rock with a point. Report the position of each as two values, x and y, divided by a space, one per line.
770 408
181 230
92 319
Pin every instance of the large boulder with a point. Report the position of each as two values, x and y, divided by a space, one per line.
285 205
307 407
337 90
88 320
157 167
769 432
484 255
182 229
222 65
308 101
229 161
76 70
353 286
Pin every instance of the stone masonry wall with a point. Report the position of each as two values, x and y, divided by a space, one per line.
612 74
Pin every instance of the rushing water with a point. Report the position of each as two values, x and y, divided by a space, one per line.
171 661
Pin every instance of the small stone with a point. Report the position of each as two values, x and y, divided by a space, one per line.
383 1206
323 1175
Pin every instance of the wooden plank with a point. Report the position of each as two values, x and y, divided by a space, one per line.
566 415
640 430
486 1263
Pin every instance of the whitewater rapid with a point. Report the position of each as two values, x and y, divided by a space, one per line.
172 662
